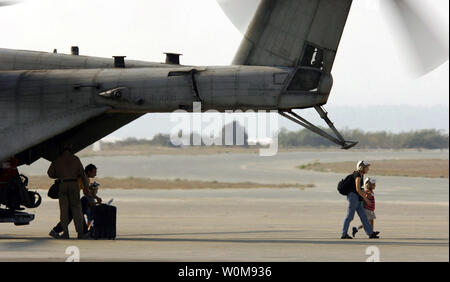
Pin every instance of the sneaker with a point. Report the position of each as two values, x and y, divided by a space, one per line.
374 235
64 236
346 236
354 231
54 234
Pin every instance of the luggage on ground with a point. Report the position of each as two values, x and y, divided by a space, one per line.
104 222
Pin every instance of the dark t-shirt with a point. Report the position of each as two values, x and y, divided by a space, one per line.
356 174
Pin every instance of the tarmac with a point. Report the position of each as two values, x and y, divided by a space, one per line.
260 225
228 226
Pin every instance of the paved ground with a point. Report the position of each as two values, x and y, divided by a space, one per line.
247 225
236 225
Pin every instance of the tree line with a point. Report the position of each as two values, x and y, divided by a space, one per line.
426 139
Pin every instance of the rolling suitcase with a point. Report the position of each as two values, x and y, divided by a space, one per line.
104 222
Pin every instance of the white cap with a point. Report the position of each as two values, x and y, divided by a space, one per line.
362 163
370 180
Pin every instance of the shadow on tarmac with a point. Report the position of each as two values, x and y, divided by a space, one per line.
425 242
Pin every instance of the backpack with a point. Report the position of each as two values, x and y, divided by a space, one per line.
346 185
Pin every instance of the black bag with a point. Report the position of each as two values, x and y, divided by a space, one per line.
346 185
53 191
104 222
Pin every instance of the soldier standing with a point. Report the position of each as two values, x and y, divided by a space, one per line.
67 168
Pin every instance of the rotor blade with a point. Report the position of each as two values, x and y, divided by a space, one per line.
414 27
240 12
7 3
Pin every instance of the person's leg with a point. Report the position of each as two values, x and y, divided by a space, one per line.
371 223
356 230
352 205
88 213
83 201
84 204
64 208
363 216
85 226
58 228
75 206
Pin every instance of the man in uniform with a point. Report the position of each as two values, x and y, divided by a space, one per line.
67 168
91 172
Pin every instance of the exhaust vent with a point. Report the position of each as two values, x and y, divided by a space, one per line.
173 58
119 61
75 51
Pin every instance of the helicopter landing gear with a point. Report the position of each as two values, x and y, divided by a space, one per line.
338 139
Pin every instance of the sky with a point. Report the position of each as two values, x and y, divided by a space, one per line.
369 70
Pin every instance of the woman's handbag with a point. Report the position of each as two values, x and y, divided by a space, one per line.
54 191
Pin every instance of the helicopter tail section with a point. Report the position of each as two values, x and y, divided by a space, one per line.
294 33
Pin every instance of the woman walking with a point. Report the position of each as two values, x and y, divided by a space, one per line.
355 203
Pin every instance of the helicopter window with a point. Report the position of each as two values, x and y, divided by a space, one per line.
312 57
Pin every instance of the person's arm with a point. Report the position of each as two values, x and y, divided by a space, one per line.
99 200
83 176
51 172
358 189
85 191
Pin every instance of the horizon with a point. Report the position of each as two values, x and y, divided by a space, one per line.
397 119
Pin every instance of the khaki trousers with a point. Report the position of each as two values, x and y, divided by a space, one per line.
69 198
